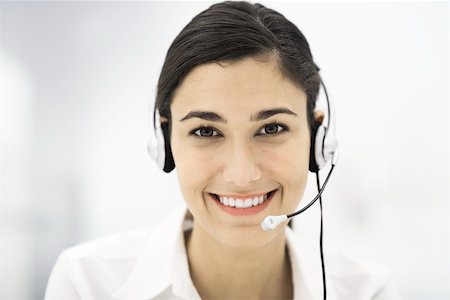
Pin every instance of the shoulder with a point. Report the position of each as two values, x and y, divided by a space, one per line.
347 276
343 266
96 268
116 245
357 278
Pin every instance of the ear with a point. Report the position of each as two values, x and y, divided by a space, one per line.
319 115
163 119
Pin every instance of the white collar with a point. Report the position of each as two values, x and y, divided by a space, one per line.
163 263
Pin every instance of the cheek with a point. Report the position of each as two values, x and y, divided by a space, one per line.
194 161
289 165
287 161
290 159
194 168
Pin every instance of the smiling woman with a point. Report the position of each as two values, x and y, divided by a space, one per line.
252 124
236 107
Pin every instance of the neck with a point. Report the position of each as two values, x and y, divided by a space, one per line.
219 271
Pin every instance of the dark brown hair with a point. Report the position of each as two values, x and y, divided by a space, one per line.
227 32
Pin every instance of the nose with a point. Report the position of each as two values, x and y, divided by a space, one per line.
241 165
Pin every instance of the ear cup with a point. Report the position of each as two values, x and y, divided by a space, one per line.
159 144
169 163
156 143
319 147
313 167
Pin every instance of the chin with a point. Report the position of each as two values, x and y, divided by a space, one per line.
247 237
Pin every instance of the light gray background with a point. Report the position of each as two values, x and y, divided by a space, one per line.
78 78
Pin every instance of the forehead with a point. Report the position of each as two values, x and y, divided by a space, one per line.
246 84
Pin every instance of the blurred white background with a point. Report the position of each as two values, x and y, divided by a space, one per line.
77 80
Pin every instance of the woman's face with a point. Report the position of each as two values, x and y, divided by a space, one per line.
239 130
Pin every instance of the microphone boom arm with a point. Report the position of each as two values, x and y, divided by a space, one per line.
315 198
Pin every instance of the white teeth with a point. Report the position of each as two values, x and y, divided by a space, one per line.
248 203
243 203
239 203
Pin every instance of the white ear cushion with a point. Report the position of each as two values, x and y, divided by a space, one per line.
318 151
326 147
156 143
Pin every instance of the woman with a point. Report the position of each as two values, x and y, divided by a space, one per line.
235 101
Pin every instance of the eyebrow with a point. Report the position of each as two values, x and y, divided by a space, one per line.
261 115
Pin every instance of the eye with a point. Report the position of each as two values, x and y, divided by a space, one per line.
211 132
272 129
204 132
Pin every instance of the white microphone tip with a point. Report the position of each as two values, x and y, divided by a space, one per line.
271 222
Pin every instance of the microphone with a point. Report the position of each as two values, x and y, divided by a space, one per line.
271 222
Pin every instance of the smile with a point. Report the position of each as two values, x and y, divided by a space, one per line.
240 206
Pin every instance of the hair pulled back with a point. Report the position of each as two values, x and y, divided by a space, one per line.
233 30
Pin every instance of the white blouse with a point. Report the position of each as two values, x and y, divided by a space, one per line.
152 264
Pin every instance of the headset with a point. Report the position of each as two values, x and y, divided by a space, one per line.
323 149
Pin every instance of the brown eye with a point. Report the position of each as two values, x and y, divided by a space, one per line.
272 129
204 132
